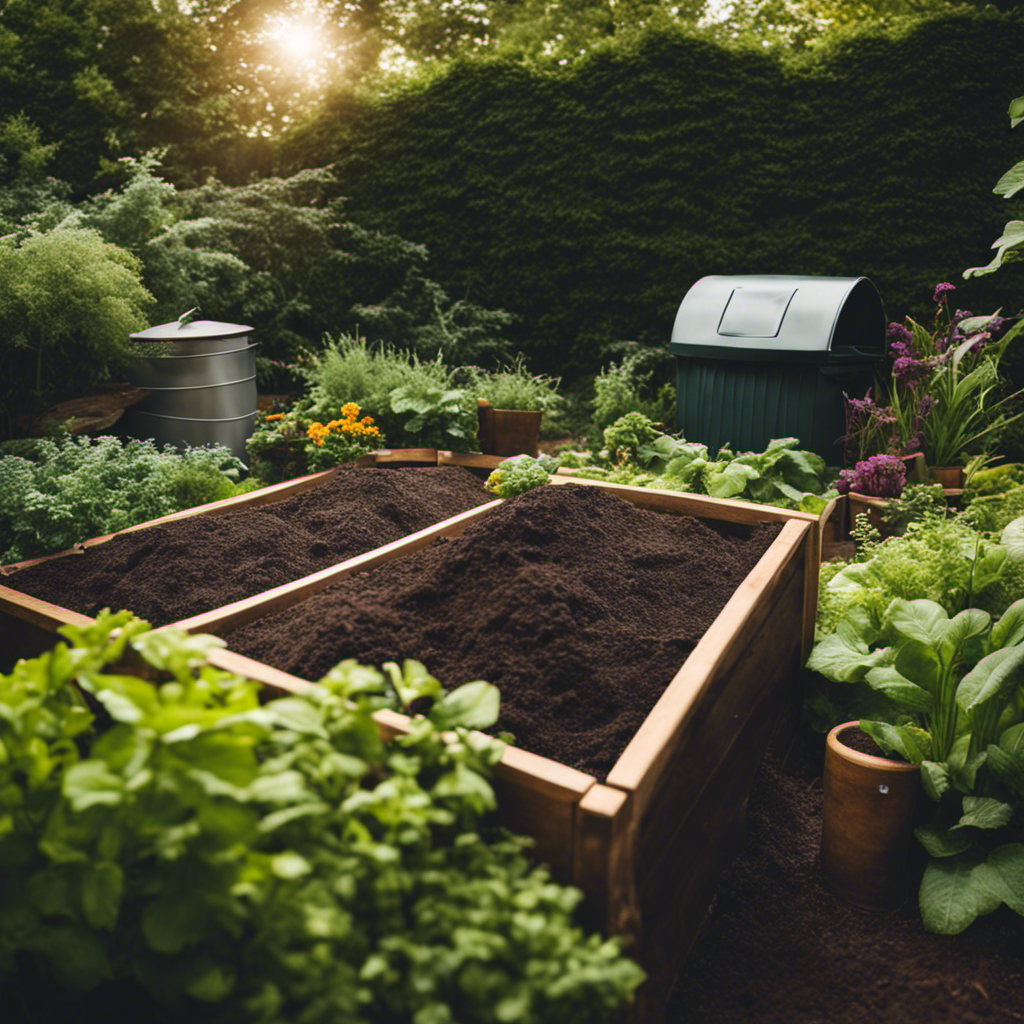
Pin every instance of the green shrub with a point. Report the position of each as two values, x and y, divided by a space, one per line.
77 488
625 387
272 861
68 302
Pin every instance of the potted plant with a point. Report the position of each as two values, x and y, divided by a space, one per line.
869 483
949 702
511 404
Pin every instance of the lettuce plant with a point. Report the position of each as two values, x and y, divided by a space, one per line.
269 861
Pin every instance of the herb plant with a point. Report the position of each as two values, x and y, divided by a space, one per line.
272 861
75 488
513 386
436 417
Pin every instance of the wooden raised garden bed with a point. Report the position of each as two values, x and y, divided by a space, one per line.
648 842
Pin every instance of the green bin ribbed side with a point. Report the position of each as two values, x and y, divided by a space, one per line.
747 404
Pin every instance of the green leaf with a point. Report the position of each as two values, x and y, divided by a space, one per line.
984 812
1016 111
1005 875
89 784
79 957
412 681
473 705
290 865
918 662
907 697
102 889
1007 766
943 842
994 676
1011 182
1012 538
911 744
212 985
922 620
935 779
1008 631
843 657
954 892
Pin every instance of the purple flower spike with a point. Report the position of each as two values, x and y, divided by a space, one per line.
942 290
881 476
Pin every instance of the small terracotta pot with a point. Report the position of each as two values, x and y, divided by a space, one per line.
948 476
866 823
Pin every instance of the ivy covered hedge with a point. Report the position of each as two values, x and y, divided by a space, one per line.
587 200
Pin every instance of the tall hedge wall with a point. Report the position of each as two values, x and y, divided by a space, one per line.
588 200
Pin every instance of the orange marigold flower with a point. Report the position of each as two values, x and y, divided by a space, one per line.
275 416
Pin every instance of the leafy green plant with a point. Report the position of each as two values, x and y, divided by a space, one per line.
644 456
513 386
519 474
954 686
277 860
75 488
341 440
436 417
625 387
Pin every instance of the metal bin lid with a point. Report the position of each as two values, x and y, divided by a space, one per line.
193 331
781 317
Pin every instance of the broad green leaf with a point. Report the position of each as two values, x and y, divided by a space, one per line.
102 889
1011 182
1007 766
984 812
942 842
935 779
1012 538
963 766
412 681
465 784
729 481
844 658
1011 238
954 892
1008 631
918 662
994 676
298 715
921 620
1005 875
968 623
1012 739
907 697
473 705
279 788
1016 111
899 739
277 819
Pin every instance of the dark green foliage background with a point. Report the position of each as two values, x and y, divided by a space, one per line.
587 200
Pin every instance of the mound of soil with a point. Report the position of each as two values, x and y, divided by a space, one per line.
779 948
577 604
181 568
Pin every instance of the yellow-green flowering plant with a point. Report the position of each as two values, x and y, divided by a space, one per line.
341 440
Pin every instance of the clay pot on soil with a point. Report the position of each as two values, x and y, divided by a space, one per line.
508 431
867 820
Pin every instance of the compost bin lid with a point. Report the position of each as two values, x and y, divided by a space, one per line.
193 331
781 317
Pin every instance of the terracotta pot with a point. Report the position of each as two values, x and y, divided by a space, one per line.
866 823
508 431
948 476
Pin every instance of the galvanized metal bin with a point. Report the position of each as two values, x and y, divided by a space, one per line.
760 357
201 379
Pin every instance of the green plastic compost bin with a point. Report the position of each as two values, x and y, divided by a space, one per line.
760 357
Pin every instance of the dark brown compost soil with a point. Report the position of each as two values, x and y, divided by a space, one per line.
187 566
578 605
779 948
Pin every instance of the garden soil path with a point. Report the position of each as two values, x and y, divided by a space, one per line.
779 948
